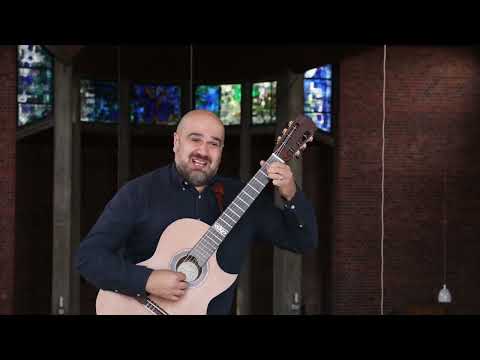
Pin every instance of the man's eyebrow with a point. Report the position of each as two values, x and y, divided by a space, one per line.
201 135
195 134
218 139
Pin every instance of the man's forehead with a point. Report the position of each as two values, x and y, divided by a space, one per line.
203 128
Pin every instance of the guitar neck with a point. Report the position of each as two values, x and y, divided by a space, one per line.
215 235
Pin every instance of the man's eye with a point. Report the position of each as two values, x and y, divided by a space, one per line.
214 144
195 139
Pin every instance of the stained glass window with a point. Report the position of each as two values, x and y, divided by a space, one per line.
223 100
318 96
98 101
155 104
264 102
35 84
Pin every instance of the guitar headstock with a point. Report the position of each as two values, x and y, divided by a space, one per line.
295 137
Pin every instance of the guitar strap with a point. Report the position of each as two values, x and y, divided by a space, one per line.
219 192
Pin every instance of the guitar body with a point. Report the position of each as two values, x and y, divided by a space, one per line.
177 239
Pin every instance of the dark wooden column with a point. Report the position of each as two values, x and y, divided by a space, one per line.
287 272
76 188
62 191
244 293
124 150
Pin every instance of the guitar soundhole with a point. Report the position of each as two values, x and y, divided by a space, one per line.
188 265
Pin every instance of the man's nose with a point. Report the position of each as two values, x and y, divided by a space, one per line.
203 148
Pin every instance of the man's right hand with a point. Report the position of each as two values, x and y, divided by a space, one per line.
169 285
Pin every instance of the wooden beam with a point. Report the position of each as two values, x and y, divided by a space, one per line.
244 292
124 136
65 53
76 189
62 191
287 274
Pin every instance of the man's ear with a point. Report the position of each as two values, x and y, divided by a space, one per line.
175 142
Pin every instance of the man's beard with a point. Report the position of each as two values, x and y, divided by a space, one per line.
195 177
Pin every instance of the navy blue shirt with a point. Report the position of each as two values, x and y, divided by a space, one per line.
128 230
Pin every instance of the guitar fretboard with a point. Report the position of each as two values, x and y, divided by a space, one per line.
212 239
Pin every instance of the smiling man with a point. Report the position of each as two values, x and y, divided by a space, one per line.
128 230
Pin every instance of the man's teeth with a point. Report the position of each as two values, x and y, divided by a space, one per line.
199 162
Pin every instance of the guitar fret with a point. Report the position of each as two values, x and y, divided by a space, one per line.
242 200
204 247
234 203
201 251
253 188
226 223
234 212
264 174
212 233
258 181
229 217
248 195
208 246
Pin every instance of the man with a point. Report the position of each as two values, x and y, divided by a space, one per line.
128 230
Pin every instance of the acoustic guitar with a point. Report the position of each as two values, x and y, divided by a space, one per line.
189 246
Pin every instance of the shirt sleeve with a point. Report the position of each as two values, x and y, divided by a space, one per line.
98 258
292 227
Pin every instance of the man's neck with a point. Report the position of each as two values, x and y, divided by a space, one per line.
200 188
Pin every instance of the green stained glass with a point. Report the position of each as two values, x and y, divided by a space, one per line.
264 102
28 113
230 104
34 84
207 97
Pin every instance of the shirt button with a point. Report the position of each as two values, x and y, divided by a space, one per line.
199 196
300 226
138 295
292 207
116 291
183 188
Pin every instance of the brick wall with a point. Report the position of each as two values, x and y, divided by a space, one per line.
8 93
432 111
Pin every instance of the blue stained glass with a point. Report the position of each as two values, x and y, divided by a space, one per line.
33 56
98 101
322 72
318 94
155 104
28 113
322 120
317 87
35 86
207 97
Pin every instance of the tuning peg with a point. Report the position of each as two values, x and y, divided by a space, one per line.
290 123
303 147
278 139
310 139
284 131
297 154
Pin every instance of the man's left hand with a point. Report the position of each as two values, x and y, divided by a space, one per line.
282 177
